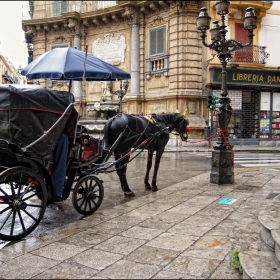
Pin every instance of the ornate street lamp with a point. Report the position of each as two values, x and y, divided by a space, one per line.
121 93
222 155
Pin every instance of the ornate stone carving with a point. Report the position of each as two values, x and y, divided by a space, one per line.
110 49
96 22
86 22
31 30
105 19
58 39
130 13
115 17
47 27
73 25
163 3
157 21
154 6
56 27
144 9
232 11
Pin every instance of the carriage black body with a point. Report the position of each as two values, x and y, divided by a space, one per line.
31 120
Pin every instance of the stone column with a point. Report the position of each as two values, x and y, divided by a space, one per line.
77 86
135 59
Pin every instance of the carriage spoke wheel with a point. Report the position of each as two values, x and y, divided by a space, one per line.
23 200
87 195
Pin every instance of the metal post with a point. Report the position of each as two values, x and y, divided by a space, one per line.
222 155
121 93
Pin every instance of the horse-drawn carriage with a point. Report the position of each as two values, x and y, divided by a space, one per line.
31 121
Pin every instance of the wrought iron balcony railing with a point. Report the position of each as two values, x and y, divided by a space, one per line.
250 54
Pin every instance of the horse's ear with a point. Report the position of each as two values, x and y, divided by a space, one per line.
185 114
177 111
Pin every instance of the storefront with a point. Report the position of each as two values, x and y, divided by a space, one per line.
255 101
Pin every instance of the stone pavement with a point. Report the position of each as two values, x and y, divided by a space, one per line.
183 231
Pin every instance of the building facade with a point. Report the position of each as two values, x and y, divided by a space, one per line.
9 74
253 76
157 42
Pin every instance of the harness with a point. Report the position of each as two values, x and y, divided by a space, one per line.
149 118
157 126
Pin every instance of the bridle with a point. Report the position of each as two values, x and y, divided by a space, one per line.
183 135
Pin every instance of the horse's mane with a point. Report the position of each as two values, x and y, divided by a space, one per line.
166 117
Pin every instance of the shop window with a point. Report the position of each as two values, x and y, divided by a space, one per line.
270 115
275 117
265 115
59 7
158 61
244 122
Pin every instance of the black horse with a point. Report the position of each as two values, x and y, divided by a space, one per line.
132 130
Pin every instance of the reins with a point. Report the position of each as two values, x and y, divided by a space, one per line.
104 167
137 134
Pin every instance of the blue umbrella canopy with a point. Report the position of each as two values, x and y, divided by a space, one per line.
72 64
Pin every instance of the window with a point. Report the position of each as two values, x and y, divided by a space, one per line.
157 41
244 54
158 61
59 7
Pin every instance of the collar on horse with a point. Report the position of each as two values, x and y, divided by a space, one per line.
156 124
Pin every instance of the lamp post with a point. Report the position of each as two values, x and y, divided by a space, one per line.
222 155
121 93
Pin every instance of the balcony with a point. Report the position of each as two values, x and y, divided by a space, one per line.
157 65
55 9
250 54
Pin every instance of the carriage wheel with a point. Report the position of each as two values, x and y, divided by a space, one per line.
23 200
87 195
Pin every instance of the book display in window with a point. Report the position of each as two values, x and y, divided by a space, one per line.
275 125
264 124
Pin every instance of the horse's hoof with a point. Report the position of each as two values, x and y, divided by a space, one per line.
129 193
148 186
154 189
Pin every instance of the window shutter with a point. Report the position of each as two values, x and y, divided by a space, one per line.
56 8
160 40
240 33
64 6
153 42
244 54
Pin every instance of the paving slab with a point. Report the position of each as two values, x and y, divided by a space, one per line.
181 232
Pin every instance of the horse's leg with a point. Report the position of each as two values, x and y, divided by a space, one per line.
149 165
156 166
122 176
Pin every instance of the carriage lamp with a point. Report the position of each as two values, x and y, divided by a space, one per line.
121 93
222 154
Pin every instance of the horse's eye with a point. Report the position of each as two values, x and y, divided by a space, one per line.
188 128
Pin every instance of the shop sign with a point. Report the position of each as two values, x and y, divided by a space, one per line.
247 76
